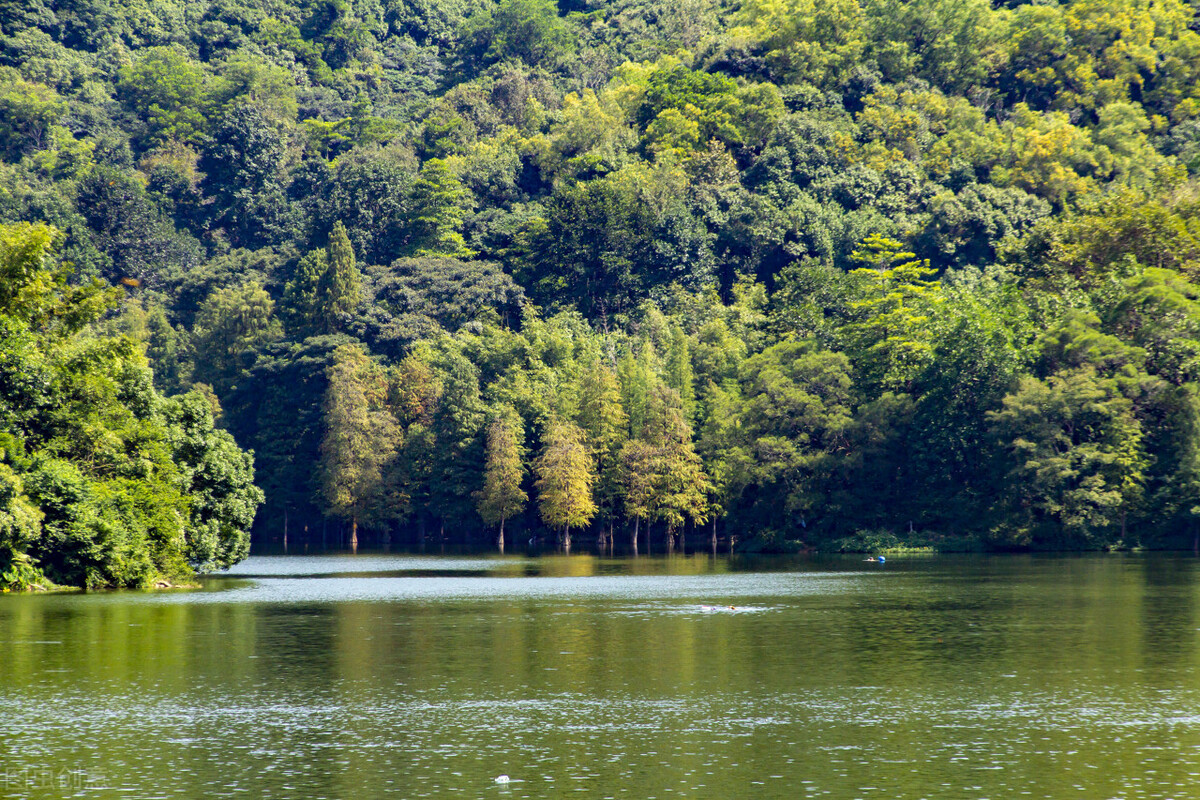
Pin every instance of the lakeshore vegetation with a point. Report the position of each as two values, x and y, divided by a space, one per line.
786 274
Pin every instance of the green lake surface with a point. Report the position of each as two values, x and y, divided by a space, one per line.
402 676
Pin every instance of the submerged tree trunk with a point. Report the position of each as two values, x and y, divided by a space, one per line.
500 540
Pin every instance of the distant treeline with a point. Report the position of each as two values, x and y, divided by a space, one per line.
825 274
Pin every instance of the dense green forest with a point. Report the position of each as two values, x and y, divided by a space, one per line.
775 272
103 481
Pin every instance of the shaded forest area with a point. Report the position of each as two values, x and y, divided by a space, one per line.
788 273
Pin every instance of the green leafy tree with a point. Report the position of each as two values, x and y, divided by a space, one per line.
341 283
230 326
173 95
794 424
277 409
1077 459
28 112
1160 312
138 241
679 373
20 526
603 242
820 42
1075 440
983 339
528 30
219 479
457 423
677 99
243 174
952 45
721 450
370 190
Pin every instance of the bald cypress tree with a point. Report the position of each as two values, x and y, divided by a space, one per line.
681 487
565 479
360 437
502 496
638 474
605 426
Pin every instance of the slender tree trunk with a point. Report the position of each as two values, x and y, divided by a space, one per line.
670 535
421 534
500 540
285 521
354 533
683 540
324 530
714 535
649 528
442 536
567 540
636 520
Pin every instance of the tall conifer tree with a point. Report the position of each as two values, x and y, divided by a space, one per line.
565 479
502 496
360 436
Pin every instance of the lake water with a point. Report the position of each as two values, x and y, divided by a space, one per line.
372 676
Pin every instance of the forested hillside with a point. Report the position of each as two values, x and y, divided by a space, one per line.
782 272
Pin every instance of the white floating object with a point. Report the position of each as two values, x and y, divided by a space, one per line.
502 779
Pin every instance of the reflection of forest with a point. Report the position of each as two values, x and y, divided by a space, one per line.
345 698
